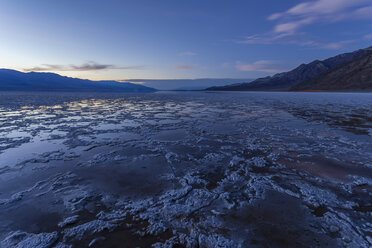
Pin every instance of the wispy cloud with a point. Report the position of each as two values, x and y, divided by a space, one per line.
184 67
90 66
188 53
300 39
270 38
292 26
321 8
363 13
325 11
289 25
337 45
261 66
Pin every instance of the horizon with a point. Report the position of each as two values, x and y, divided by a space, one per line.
159 84
168 83
178 41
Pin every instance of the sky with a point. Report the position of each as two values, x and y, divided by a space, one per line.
183 39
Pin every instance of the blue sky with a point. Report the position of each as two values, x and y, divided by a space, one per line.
166 39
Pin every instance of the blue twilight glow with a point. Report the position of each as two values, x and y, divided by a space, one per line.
177 39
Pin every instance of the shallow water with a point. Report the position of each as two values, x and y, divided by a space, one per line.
188 169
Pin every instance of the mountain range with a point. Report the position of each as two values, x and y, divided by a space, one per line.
345 72
348 71
11 80
355 75
187 84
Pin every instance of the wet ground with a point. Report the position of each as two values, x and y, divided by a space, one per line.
185 170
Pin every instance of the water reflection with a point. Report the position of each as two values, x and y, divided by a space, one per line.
181 168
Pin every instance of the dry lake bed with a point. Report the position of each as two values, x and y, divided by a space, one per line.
185 170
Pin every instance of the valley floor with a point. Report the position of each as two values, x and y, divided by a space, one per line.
185 170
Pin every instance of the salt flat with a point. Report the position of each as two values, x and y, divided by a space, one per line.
186 170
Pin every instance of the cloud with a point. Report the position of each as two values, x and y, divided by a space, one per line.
319 8
291 27
364 13
368 37
288 25
325 11
262 66
90 66
184 67
188 53
300 39
338 45
266 39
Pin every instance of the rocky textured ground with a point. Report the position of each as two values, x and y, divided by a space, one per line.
186 170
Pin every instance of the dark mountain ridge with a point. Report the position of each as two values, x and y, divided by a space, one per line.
354 75
12 80
286 80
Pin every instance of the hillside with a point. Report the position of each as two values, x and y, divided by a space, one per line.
12 80
355 75
286 80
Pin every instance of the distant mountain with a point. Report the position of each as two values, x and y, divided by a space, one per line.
191 88
355 75
40 81
187 84
286 80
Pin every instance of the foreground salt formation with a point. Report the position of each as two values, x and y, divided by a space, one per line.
186 170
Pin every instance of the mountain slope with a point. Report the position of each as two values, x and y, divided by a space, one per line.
304 72
40 81
355 75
